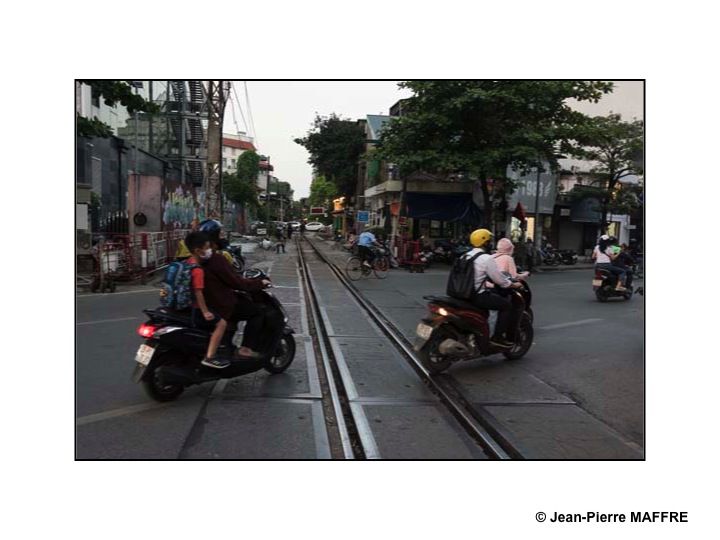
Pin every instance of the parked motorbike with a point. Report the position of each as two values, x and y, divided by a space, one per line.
457 330
238 260
604 283
568 256
169 359
443 251
551 257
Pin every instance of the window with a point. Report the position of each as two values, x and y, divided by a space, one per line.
224 162
94 97
232 163
435 228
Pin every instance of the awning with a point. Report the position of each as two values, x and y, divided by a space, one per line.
453 207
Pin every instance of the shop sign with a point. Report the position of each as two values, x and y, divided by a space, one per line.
564 212
316 210
527 191
363 217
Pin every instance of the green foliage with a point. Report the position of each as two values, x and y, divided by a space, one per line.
248 166
112 92
335 146
322 191
475 129
241 187
616 147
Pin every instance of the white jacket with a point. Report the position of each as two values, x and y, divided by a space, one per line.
486 268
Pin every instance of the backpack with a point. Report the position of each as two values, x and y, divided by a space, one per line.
461 281
176 288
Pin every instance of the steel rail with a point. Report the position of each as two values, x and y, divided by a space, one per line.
496 446
319 326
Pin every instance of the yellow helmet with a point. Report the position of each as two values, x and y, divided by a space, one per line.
479 237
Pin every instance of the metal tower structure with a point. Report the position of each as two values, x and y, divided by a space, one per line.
187 112
218 93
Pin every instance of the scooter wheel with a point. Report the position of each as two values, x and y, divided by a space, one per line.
601 295
157 390
525 342
284 357
433 361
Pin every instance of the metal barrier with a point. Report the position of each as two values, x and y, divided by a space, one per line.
125 257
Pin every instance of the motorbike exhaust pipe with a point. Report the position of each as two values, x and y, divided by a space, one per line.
452 347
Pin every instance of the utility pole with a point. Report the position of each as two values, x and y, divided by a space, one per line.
537 237
217 95
267 197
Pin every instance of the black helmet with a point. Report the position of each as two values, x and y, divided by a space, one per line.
212 228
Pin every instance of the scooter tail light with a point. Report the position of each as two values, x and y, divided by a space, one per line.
434 308
146 330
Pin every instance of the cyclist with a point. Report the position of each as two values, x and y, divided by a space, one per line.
365 243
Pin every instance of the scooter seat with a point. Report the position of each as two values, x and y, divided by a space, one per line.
452 302
180 317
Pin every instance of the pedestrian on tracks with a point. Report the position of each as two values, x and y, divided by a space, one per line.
302 229
289 231
279 239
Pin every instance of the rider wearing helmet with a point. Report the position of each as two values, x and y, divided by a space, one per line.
484 298
221 280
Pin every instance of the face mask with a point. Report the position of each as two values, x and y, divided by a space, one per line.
206 254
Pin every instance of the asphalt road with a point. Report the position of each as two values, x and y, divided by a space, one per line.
582 380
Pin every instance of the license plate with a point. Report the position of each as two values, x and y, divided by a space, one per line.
144 355
597 282
424 331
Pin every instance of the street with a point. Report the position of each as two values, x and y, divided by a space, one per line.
578 393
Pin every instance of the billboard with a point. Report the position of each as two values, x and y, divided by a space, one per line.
527 191
317 210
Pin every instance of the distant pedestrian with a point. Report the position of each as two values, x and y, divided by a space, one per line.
279 239
529 254
302 229
289 231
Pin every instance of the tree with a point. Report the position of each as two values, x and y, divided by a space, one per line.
322 191
616 148
112 92
241 187
475 129
335 146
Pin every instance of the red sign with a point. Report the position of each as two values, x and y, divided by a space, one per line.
316 210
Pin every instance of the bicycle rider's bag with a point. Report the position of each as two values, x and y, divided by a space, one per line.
461 281
176 287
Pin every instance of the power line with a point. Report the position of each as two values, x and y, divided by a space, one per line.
237 100
252 120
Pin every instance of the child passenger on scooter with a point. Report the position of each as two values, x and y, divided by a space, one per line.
198 245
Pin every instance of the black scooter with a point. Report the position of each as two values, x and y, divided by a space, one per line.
604 283
169 359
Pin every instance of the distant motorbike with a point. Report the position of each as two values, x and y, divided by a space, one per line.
169 359
568 257
604 283
457 330
238 260
551 257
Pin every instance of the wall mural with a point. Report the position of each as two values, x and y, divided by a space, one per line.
181 206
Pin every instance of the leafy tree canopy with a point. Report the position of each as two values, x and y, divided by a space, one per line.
241 187
112 93
335 146
322 191
616 148
478 128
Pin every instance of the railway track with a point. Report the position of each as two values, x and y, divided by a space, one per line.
352 425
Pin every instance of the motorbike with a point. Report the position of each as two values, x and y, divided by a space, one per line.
238 260
551 257
443 251
169 359
568 257
457 330
604 283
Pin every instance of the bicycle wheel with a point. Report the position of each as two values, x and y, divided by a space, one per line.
353 268
381 267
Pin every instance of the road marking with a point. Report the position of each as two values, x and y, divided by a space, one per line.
569 324
95 295
107 321
123 411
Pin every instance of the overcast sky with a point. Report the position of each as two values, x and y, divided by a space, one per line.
285 110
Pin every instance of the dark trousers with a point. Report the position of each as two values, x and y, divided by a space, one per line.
615 270
507 316
263 327
366 254
278 245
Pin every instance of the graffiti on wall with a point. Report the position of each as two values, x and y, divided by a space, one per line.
182 206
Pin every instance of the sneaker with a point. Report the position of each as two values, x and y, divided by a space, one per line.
247 354
501 342
215 362
620 288
366 264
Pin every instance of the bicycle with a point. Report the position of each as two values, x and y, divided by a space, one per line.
355 269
